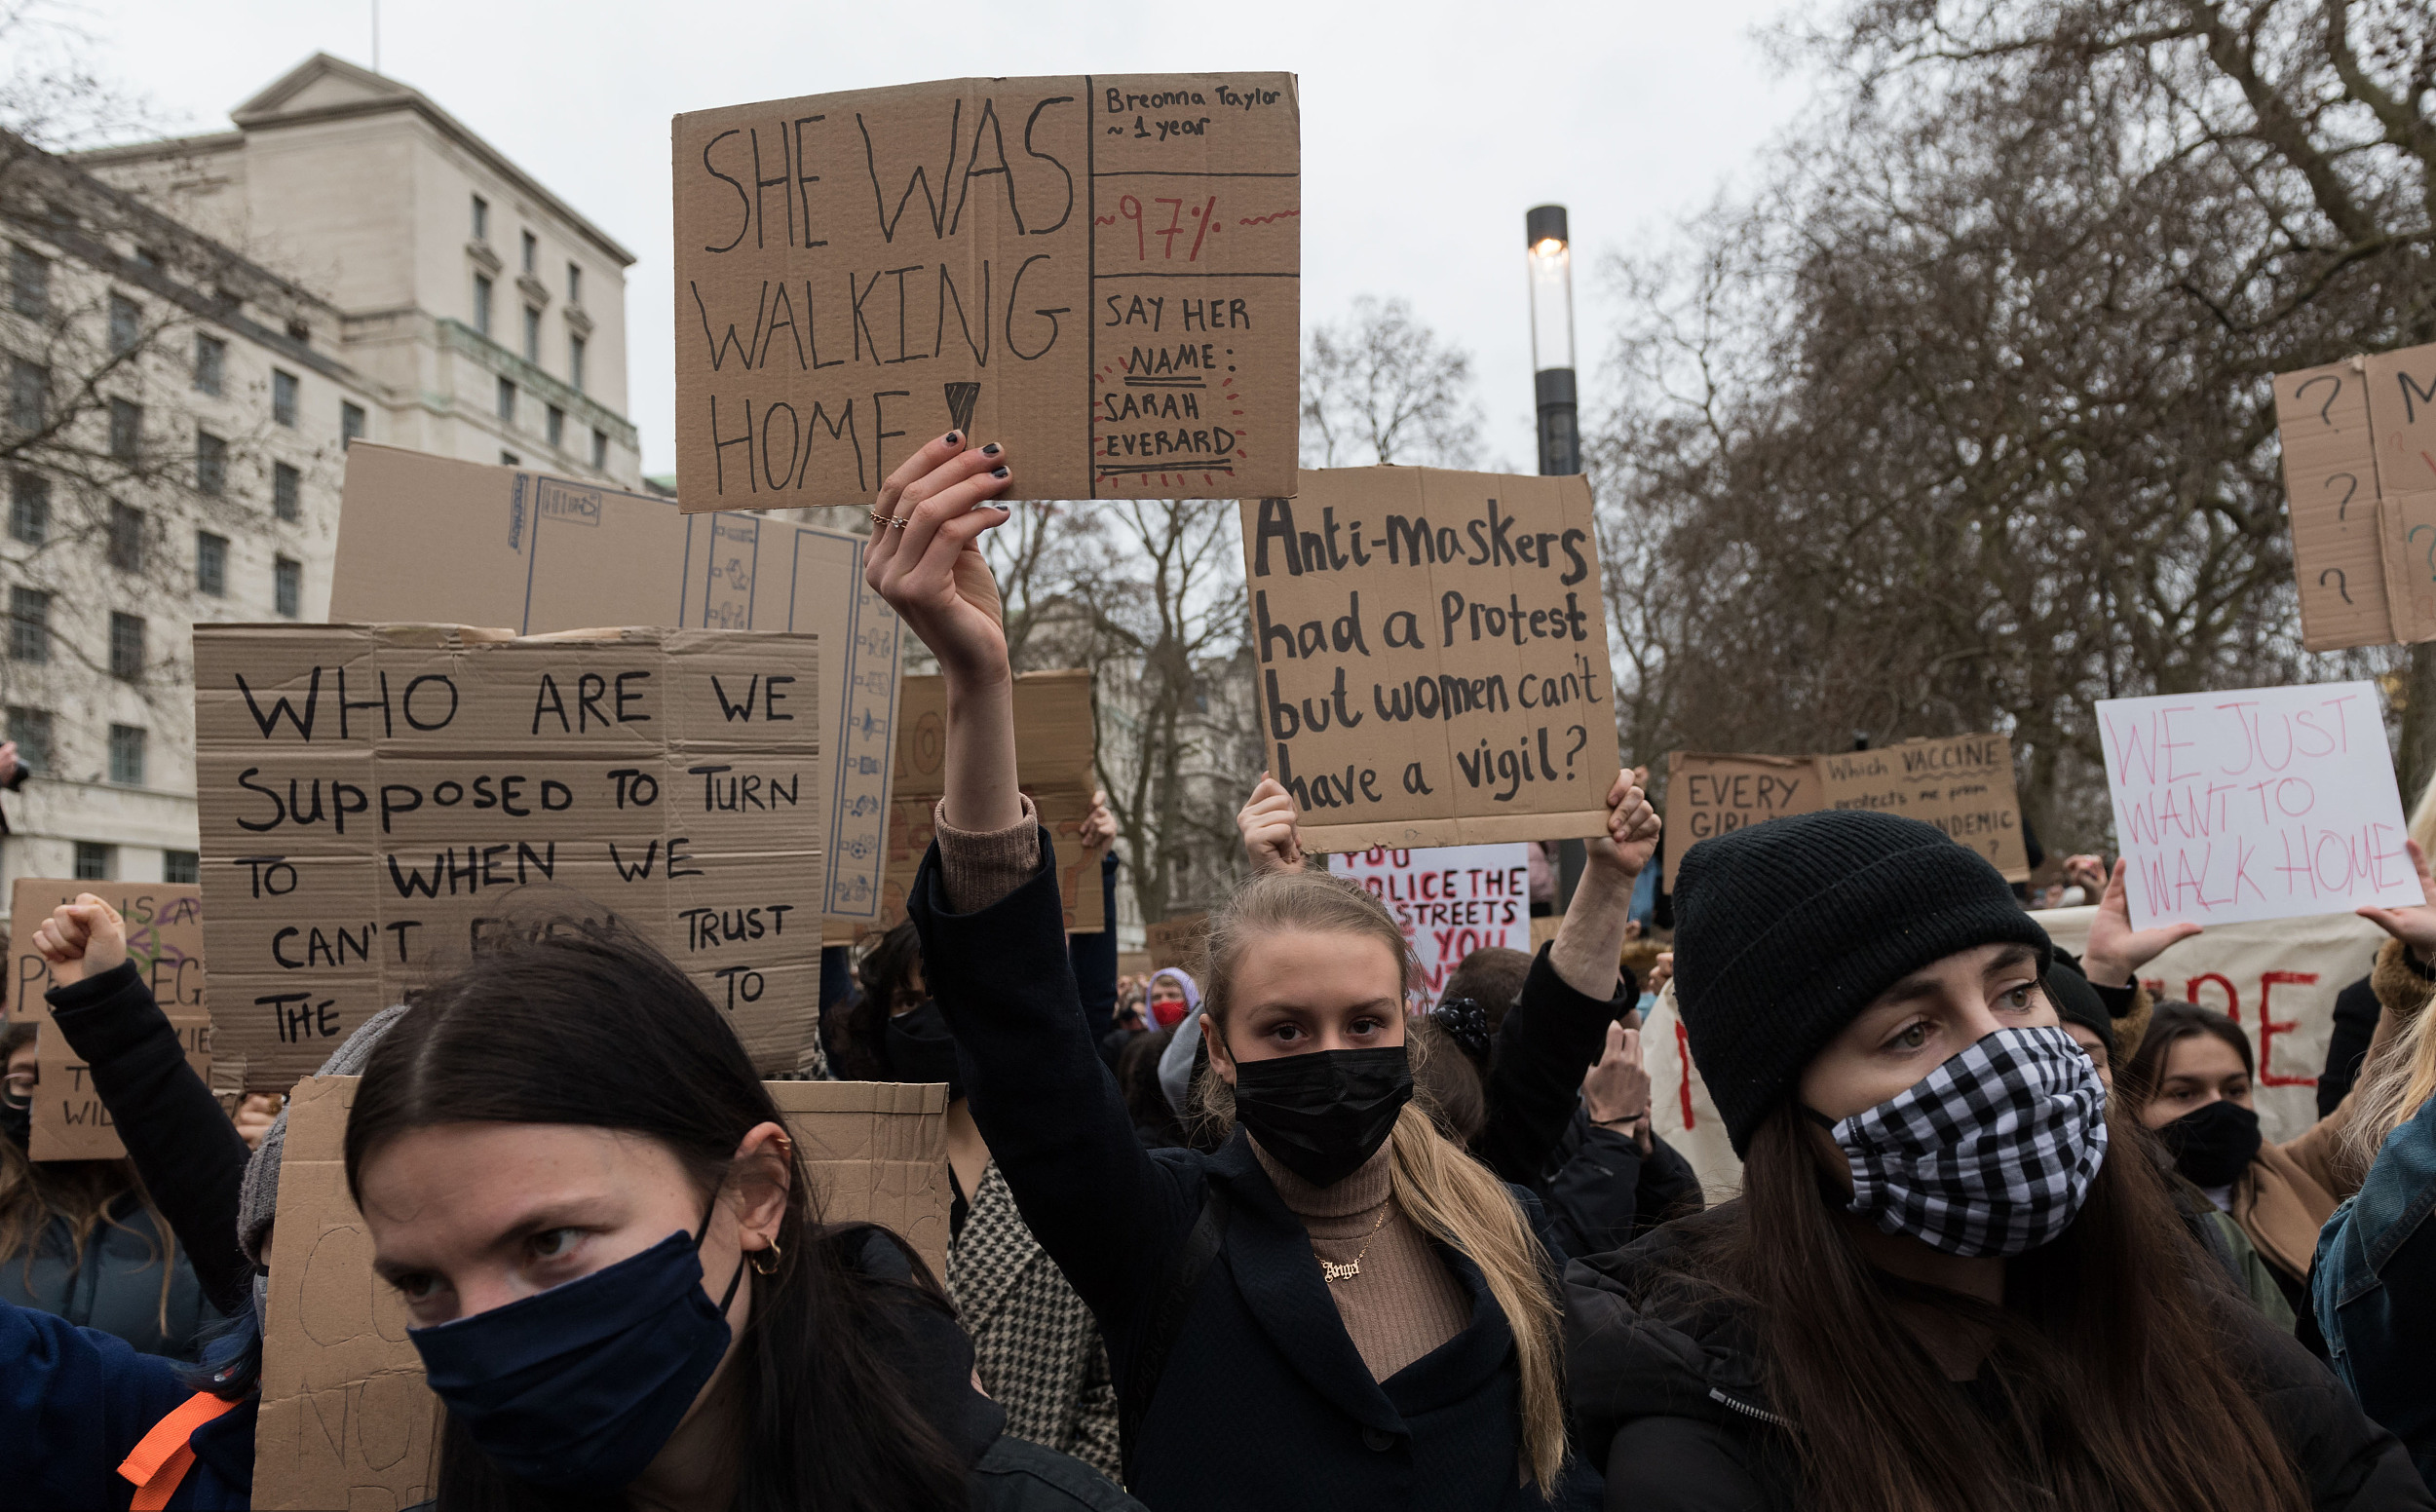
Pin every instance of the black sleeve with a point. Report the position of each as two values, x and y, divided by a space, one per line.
1094 958
1670 1189
1104 1210
1677 1464
1551 1037
2348 1043
191 1158
17 778
1594 1196
2117 999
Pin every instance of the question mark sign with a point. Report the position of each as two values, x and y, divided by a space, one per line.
2343 504
1581 738
2342 585
2325 412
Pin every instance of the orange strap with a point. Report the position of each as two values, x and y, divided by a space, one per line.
160 1461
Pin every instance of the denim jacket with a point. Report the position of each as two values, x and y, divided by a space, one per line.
2375 1289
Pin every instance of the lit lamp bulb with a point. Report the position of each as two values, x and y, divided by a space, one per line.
1552 336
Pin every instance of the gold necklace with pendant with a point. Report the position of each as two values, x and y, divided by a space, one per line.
1333 1272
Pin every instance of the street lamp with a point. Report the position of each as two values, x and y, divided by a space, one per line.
1552 338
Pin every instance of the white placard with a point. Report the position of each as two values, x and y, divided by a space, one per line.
1450 900
2262 803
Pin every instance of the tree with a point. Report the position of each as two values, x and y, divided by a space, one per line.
1378 386
1965 421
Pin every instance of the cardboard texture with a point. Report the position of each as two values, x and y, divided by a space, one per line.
1710 793
1964 785
1433 656
2261 803
1055 747
426 538
165 940
1182 943
372 796
1101 271
1448 900
2359 441
346 1420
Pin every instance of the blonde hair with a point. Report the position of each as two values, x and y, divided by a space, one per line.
1438 1186
2392 1088
2423 824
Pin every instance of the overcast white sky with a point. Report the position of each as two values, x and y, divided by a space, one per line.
1428 127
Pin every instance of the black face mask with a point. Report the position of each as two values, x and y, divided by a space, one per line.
2214 1144
1323 1114
921 1049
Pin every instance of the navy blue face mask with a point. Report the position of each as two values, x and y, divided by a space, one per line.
579 1386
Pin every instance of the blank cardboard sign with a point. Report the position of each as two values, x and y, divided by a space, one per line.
1433 656
1101 271
346 1418
165 941
426 538
1054 750
372 796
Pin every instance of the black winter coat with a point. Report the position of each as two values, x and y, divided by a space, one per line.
1666 1393
1602 1193
1264 1402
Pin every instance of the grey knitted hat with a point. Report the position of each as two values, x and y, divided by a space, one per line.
257 1200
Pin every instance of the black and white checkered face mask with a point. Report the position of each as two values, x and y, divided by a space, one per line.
1991 1154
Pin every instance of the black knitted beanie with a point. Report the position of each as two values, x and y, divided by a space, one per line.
1786 930
2078 1002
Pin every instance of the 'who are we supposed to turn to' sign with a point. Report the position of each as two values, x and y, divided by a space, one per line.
2267 803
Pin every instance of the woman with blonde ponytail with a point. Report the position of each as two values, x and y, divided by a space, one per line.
1338 1308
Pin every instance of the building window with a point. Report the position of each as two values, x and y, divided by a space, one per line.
575 285
557 426
284 398
210 463
507 400
350 424
481 303
287 586
210 364
30 729
481 218
29 624
29 507
127 536
210 564
532 335
95 862
127 647
29 394
29 281
125 321
600 450
126 755
181 866
126 429
575 363
286 492
531 248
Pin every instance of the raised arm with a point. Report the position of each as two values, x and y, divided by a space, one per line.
992 926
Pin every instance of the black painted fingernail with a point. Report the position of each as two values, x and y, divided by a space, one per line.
998 471
952 438
991 450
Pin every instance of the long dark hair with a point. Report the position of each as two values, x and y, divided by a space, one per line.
859 1052
2114 1356
2169 1025
591 1025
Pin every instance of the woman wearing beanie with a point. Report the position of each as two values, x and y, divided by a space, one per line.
1941 1290
1338 1309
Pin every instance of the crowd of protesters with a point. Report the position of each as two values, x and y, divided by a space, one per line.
1255 1234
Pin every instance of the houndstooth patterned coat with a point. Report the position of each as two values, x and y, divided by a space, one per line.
1035 1344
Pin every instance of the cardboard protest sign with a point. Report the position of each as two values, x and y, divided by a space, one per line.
346 1418
165 941
1964 785
370 797
424 539
1433 656
1102 271
2264 803
1710 794
1448 900
1182 943
2330 478
1055 746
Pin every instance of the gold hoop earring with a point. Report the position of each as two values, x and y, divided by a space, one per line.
773 1252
